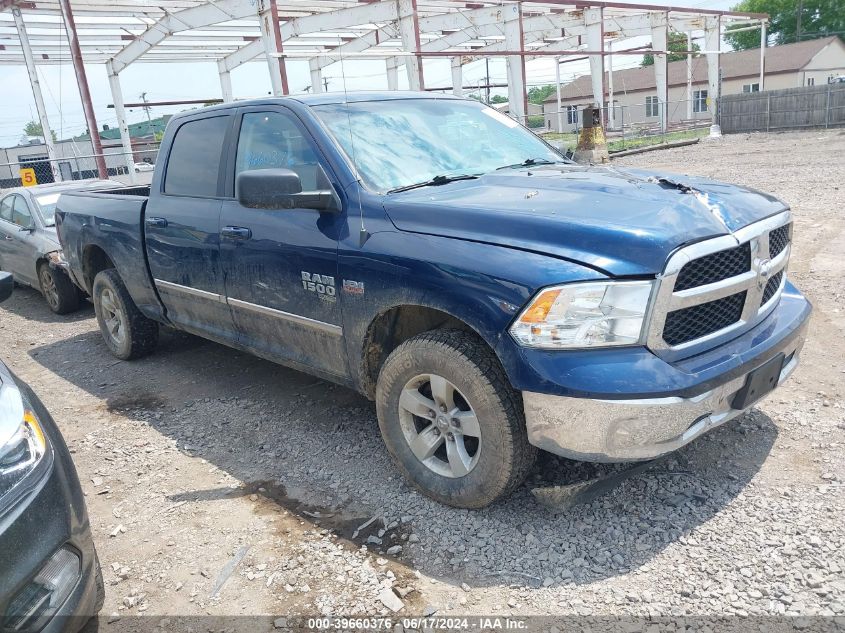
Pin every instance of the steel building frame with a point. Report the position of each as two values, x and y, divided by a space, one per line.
402 32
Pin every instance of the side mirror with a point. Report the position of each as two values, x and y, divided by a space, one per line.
274 189
7 285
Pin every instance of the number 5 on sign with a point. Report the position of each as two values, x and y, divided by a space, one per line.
28 177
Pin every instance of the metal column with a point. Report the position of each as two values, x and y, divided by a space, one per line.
84 93
559 106
392 73
611 111
514 41
316 76
271 36
457 77
120 111
762 55
689 76
712 42
660 42
409 30
36 93
225 82
593 20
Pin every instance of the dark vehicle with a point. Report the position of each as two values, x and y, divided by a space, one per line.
491 297
50 577
29 248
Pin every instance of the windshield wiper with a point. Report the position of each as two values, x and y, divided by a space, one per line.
437 180
530 162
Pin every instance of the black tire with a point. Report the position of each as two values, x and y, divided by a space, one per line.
61 295
504 456
135 335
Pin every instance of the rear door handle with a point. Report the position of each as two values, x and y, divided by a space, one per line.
236 232
157 223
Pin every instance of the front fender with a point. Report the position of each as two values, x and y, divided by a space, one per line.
483 286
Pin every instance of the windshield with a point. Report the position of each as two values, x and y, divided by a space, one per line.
47 208
401 142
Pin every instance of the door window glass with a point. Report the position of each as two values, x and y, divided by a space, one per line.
6 208
194 163
272 140
21 214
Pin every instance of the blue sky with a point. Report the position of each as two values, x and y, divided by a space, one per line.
199 81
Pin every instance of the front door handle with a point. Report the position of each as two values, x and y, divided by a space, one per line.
157 223
236 232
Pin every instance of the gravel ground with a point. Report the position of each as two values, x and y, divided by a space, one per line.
199 456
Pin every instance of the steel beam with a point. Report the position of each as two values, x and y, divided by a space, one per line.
409 30
225 82
392 68
457 77
595 41
316 77
763 42
712 40
660 41
36 93
515 40
120 112
271 39
84 92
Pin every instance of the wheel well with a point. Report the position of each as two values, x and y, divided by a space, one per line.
94 261
392 328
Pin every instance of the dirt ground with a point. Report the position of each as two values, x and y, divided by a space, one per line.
200 456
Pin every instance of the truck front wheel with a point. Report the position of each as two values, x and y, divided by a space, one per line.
128 333
451 421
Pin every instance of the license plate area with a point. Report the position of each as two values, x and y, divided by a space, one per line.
759 383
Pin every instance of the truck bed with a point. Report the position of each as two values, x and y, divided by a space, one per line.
108 223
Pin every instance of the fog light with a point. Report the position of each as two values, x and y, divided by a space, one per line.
40 599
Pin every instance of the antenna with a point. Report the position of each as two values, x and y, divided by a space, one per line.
363 235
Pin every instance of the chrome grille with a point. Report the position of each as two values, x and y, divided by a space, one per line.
692 323
772 287
715 267
719 287
778 239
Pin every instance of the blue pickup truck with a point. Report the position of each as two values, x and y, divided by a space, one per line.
492 297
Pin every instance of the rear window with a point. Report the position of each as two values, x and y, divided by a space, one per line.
194 162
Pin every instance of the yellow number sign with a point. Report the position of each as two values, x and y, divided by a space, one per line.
28 178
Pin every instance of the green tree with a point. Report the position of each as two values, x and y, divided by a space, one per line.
538 94
791 21
677 42
498 99
33 128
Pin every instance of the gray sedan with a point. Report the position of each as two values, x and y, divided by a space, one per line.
29 247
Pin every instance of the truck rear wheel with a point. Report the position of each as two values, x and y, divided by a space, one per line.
61 295
451 420
128 333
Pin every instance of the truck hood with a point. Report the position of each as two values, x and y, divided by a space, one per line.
620 221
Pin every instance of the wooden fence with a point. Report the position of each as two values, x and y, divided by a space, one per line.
789 109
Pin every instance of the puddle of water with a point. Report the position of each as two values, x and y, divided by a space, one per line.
354 527
126 402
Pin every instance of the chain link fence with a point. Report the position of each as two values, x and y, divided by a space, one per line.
35 168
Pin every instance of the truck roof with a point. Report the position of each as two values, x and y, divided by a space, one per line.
326 98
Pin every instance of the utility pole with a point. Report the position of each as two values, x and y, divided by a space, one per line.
325 84
487 66
798 20
146 107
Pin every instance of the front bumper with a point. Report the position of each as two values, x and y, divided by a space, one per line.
646 427
50 516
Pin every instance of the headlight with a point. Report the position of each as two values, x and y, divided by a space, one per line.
22 441
584 315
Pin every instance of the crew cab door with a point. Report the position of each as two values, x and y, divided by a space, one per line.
182 228
280 265
17 239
